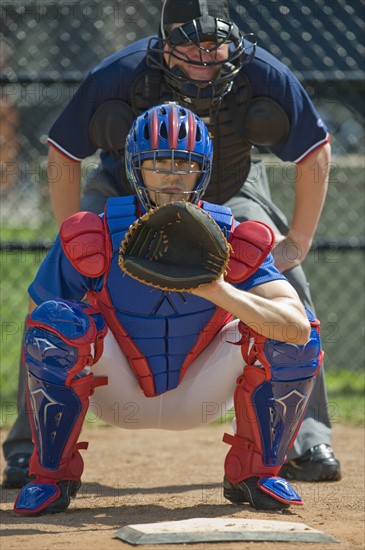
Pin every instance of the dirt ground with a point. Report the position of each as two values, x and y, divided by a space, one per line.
151 476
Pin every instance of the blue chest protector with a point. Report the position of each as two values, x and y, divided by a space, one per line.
157 330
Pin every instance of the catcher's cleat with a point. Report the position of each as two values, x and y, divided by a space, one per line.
319 463
16 473
258 493
46 496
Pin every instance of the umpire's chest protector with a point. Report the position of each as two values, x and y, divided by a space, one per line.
160 333
242 120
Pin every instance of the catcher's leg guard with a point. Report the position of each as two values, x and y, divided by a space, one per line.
61 339
270 402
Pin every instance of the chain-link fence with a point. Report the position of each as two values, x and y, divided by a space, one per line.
46 49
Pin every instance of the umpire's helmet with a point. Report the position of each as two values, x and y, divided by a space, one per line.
202 22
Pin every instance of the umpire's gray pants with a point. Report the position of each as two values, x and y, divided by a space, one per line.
253 202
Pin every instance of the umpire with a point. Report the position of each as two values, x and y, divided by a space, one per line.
246 97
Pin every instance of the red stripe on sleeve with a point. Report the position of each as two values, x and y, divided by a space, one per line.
62 153
319 146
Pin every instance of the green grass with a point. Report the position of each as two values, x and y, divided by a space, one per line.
346 396
25 235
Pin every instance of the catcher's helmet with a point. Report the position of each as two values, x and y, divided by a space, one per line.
201 21
168 131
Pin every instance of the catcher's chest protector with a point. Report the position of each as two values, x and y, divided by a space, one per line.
160 333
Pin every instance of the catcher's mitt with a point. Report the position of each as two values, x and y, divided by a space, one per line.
175 247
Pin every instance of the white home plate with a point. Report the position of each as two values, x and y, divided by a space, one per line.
220 529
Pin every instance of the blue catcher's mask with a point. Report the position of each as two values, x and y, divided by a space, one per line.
175 135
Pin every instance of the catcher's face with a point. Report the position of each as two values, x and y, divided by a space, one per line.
168 180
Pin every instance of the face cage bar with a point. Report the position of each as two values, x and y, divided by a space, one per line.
168 154
163 154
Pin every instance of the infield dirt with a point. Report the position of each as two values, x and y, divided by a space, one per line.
139 476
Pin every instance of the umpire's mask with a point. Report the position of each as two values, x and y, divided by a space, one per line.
200 51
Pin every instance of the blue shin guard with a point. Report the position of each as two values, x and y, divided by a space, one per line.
270 403
61 339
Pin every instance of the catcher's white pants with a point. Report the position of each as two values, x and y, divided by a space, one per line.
205 394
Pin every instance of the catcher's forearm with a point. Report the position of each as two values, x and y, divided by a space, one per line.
281 317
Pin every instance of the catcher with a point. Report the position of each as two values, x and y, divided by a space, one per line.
185 308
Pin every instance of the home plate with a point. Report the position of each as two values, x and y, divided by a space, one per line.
220 529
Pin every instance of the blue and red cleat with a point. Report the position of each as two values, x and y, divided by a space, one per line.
45 496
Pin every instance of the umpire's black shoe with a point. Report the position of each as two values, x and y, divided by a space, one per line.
248 491
16 473
319 463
